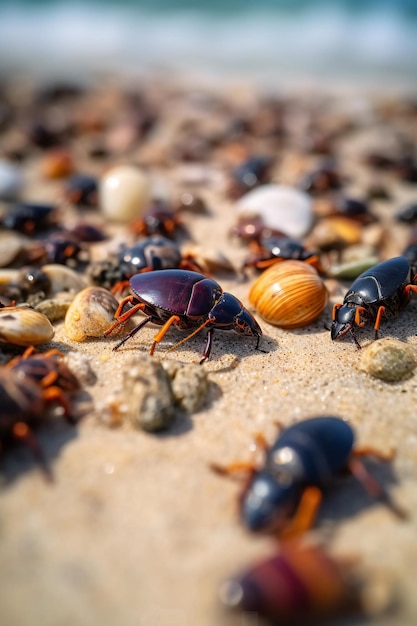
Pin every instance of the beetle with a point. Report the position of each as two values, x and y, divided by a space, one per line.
188 300
383 290
284 494
146 255
30 218
274 249
299 584
28 384
159 219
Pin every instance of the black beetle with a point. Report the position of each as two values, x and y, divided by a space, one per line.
273 249
284 494
383 290
188 300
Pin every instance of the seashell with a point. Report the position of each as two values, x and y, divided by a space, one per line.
209 259
352 269
55 309
11 181
388 359
335 232
91 313
124 193
289 294
63 278
24 327
11 246
281 208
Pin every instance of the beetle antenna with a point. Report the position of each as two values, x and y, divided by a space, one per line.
188 336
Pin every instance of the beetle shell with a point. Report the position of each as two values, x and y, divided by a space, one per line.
90 314
24 327
290 294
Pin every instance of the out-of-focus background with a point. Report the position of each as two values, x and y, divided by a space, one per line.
339 41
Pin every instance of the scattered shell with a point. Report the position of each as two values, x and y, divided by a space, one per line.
209 259
57 164
289 294
91 313
332 232
281 208
147 394
124 193
55 309
24 327
11 181
189 384
388 359
63 278
352 269
11 246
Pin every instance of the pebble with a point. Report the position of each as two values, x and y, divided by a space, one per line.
124 193
189 384
281 208
388 359
91 313
148 395
56 308
11 181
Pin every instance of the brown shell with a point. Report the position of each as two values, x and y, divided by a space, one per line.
24 327
289 294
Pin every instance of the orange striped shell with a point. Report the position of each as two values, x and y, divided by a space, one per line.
289 294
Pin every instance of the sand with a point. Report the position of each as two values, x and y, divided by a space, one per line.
136 529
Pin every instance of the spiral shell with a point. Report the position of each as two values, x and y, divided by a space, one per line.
91 313
289 294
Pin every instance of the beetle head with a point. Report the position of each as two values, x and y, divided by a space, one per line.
343 321
267 505
229 313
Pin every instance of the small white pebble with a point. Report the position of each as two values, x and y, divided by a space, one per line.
124 193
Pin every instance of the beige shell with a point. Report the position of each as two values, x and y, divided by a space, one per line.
124 193
24 327
91 313
289 294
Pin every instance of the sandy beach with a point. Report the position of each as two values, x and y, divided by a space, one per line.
136 528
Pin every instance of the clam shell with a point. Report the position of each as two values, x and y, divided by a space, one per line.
91 313
63 278
24 327
289 294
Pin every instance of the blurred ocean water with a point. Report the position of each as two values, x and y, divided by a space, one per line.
368 41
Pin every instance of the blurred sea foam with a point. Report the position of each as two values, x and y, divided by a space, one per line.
373 42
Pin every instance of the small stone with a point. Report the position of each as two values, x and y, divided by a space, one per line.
281 208
55 309
124 193
11 181
147 394
189 384
388 359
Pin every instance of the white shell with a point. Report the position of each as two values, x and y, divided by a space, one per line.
11 181
63 278
282 208
124 193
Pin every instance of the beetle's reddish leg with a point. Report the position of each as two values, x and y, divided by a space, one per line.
409 288
335 309
133 332
161 334
377 454
359 310
55 394
233 468
379 315
305 514
373 487
120 319
22 432
315 262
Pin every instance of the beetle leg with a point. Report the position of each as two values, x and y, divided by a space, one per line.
409 288
335 309
306 513
381 311
133 332
55 394
237 467
207 347
161 334
120 319
359 310
373 487
22 432
377 454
